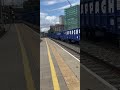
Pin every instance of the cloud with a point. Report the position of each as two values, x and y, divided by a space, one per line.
52 2
46 21
45 29
64 7
67 6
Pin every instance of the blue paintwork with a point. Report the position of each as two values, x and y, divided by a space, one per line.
67 35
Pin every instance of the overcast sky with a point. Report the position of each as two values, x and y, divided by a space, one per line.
50 10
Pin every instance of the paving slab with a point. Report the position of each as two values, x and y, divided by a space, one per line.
73 64
46 82
45 74
11 65
12 70
31 41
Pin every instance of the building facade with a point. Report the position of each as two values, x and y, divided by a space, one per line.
72 17
61 19
57 27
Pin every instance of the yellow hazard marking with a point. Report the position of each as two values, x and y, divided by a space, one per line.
71 80
53 73
27 71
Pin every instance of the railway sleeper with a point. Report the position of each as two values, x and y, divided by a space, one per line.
104 72
110 76
98 69
117 86
114 81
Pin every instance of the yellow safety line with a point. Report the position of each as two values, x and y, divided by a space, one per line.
53 73
27 71
71 80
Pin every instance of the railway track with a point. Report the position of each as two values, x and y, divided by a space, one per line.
97 59
106 71
109 72
73 49
108 56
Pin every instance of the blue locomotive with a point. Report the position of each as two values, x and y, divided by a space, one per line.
67 35
100 16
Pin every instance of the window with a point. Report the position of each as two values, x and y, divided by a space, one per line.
67 32
74 31
77 31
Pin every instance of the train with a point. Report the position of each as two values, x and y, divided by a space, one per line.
72 35
100 18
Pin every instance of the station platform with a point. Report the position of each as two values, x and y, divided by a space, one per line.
19 58
59 70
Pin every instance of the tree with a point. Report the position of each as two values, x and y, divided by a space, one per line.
51 31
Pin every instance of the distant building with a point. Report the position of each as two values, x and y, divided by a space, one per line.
57 27
61 19
72 17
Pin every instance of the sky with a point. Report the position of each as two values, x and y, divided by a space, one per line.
50 10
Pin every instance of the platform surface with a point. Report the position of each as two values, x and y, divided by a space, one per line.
58 69
19 59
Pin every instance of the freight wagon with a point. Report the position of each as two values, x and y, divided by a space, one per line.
67 35
100 15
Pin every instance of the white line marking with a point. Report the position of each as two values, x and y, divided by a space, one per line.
67 51
97 77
